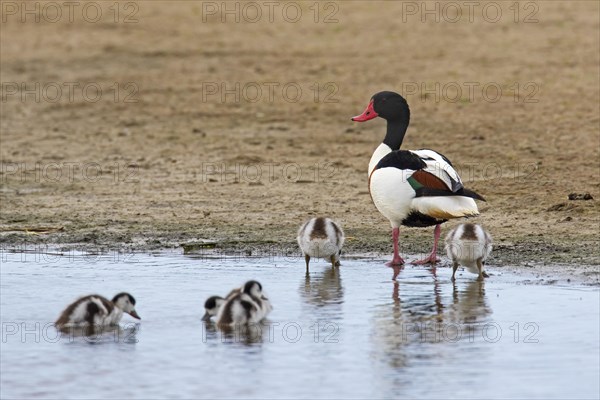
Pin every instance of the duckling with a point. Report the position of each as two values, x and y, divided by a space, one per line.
95 311
321 237
250 305
214 303
212 306
469 245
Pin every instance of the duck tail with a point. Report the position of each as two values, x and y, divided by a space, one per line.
469 193
433 192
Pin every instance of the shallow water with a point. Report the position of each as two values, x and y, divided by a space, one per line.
347 333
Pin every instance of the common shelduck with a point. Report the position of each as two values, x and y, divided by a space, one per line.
469 245
248 306
415 188
96 311
322 238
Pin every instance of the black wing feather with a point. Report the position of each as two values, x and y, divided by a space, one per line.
404 159
401 159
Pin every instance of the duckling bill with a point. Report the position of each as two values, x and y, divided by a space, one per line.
322 238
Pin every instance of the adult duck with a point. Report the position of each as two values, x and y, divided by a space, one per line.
415 188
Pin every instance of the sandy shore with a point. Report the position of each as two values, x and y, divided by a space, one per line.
183 129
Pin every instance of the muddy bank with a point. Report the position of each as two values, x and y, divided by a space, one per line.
550 263
166 157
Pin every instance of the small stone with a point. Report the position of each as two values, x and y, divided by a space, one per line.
580 196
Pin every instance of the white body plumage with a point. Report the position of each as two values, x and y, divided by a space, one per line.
322 238
239 313
213 304
249 305
395 198
104 317
469 245
97 311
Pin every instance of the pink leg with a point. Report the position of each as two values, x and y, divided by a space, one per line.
432 258
397 260
397 269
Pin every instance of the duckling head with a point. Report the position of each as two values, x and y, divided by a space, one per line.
212 306
126 302
252 288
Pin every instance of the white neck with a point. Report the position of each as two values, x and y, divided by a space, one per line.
378 154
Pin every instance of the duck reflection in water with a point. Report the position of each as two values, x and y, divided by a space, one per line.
323 289
398 268
104 334
469 305
249 334
422 314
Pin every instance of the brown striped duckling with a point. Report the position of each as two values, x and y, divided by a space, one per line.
249 305
322 238
96 311
469 245
213 304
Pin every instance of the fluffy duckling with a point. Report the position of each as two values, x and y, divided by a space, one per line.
469 245
96 311
323 238
212 306
214 303
249 305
